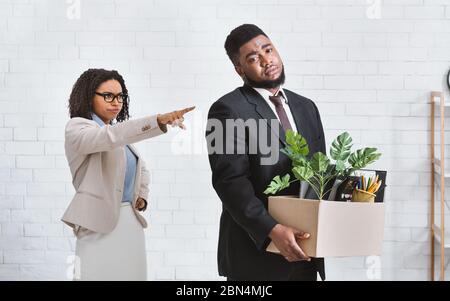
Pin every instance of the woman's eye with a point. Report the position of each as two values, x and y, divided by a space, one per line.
269 50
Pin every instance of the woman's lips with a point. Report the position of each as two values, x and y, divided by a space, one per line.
114 111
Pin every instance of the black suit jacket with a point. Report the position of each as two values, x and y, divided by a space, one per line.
240 180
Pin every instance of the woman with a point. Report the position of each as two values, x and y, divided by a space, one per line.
109 176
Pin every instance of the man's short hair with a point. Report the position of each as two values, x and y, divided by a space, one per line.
238 37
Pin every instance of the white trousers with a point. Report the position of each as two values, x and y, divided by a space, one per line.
116 256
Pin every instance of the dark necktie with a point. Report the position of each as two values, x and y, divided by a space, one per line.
278 102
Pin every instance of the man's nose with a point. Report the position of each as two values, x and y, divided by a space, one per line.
265 61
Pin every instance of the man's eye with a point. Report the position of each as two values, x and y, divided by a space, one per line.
269 50
252 59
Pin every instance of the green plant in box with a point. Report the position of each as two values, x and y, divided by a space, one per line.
318 170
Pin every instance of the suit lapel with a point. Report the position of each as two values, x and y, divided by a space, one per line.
263 110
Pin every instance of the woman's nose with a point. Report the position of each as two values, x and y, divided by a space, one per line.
115 102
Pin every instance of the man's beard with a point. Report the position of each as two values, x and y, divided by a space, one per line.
267 84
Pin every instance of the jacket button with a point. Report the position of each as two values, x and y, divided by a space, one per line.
146 128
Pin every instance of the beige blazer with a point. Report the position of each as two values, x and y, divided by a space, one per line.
97 161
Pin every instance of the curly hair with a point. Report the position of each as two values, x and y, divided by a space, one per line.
83 92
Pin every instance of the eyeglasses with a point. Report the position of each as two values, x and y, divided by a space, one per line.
109 97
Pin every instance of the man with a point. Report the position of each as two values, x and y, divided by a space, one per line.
246 227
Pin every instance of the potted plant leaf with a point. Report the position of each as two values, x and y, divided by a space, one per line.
318 171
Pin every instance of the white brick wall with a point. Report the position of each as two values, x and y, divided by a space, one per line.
368 76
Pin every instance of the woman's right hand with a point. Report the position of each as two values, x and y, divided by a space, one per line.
174 118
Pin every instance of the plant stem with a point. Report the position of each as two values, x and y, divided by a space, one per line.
314 188
293 181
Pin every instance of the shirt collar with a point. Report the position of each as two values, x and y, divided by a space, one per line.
97 119
266 93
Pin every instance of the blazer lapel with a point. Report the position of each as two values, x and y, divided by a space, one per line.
263 110
134 150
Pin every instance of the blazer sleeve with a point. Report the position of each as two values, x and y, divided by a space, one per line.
85 137
230 179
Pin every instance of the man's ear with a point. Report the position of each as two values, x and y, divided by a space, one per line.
239 70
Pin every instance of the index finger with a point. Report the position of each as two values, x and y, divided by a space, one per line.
184 111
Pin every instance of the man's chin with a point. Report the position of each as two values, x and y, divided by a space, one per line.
267 84
273 78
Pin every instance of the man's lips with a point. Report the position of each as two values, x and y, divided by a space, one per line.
271 71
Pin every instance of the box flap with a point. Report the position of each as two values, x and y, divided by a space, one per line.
301 214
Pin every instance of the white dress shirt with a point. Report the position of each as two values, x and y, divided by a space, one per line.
265 94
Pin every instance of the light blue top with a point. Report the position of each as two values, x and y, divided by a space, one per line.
130 173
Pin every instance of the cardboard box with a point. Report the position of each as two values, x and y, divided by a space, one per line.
338 229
